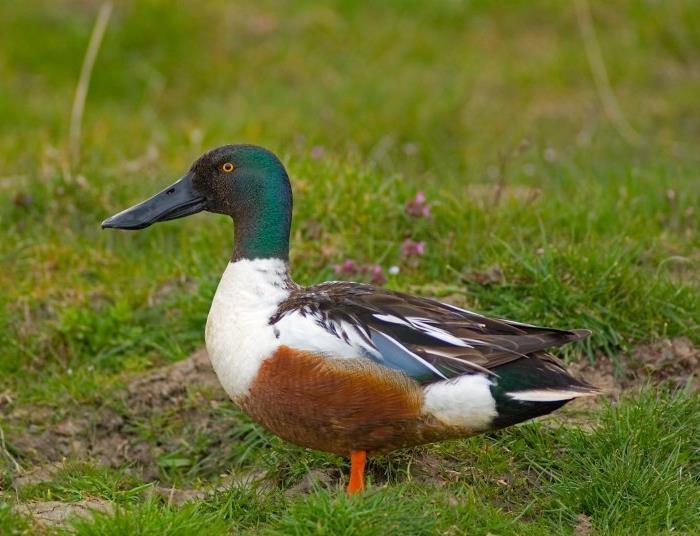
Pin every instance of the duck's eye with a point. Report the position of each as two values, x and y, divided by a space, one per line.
227 167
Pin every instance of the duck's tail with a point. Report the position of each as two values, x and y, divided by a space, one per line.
534 386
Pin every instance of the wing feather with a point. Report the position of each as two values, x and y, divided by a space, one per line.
427 339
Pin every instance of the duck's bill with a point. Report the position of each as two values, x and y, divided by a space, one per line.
176 201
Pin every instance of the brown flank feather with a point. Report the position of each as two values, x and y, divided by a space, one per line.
340 405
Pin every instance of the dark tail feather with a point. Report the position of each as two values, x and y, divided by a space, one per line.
534 386
579 334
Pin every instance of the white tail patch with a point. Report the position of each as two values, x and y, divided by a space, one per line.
548 395
465 401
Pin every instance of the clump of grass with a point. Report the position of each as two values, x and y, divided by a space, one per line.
153 517
638 467
247 506
12 523
79 481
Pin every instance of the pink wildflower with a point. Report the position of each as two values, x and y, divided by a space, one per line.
411 248
418 207
377 274
348 266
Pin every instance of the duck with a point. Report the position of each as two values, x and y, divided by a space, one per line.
342 367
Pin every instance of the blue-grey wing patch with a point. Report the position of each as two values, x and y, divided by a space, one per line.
394 355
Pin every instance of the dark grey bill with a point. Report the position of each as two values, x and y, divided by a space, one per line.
176 201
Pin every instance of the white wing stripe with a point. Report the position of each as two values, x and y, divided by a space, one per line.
438 333
547 395
390 318
424 325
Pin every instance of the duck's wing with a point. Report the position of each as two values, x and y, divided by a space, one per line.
427 339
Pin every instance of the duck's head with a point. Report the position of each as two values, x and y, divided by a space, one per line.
246 182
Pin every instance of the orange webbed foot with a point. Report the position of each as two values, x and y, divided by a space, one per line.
358 458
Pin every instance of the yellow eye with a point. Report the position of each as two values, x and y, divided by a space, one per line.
227 167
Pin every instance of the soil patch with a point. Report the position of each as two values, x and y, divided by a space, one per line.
186 394
668 361
676 361
55 513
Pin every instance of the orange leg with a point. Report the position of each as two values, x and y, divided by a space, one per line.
357 471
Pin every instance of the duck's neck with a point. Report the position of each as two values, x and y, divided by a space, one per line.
262 224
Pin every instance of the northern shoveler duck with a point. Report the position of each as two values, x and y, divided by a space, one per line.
343 367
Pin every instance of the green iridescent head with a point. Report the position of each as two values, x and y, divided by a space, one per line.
246 182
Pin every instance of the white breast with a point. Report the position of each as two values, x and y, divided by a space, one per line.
239 336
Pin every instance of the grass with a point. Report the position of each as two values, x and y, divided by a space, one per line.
488 109
637 468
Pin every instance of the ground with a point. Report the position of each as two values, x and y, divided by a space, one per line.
458 150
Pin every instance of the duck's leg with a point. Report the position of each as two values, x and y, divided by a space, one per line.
357 471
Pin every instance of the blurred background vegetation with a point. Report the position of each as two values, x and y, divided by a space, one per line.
557 145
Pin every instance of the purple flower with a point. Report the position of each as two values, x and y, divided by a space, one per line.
348 266
377 274
418 207
411 248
